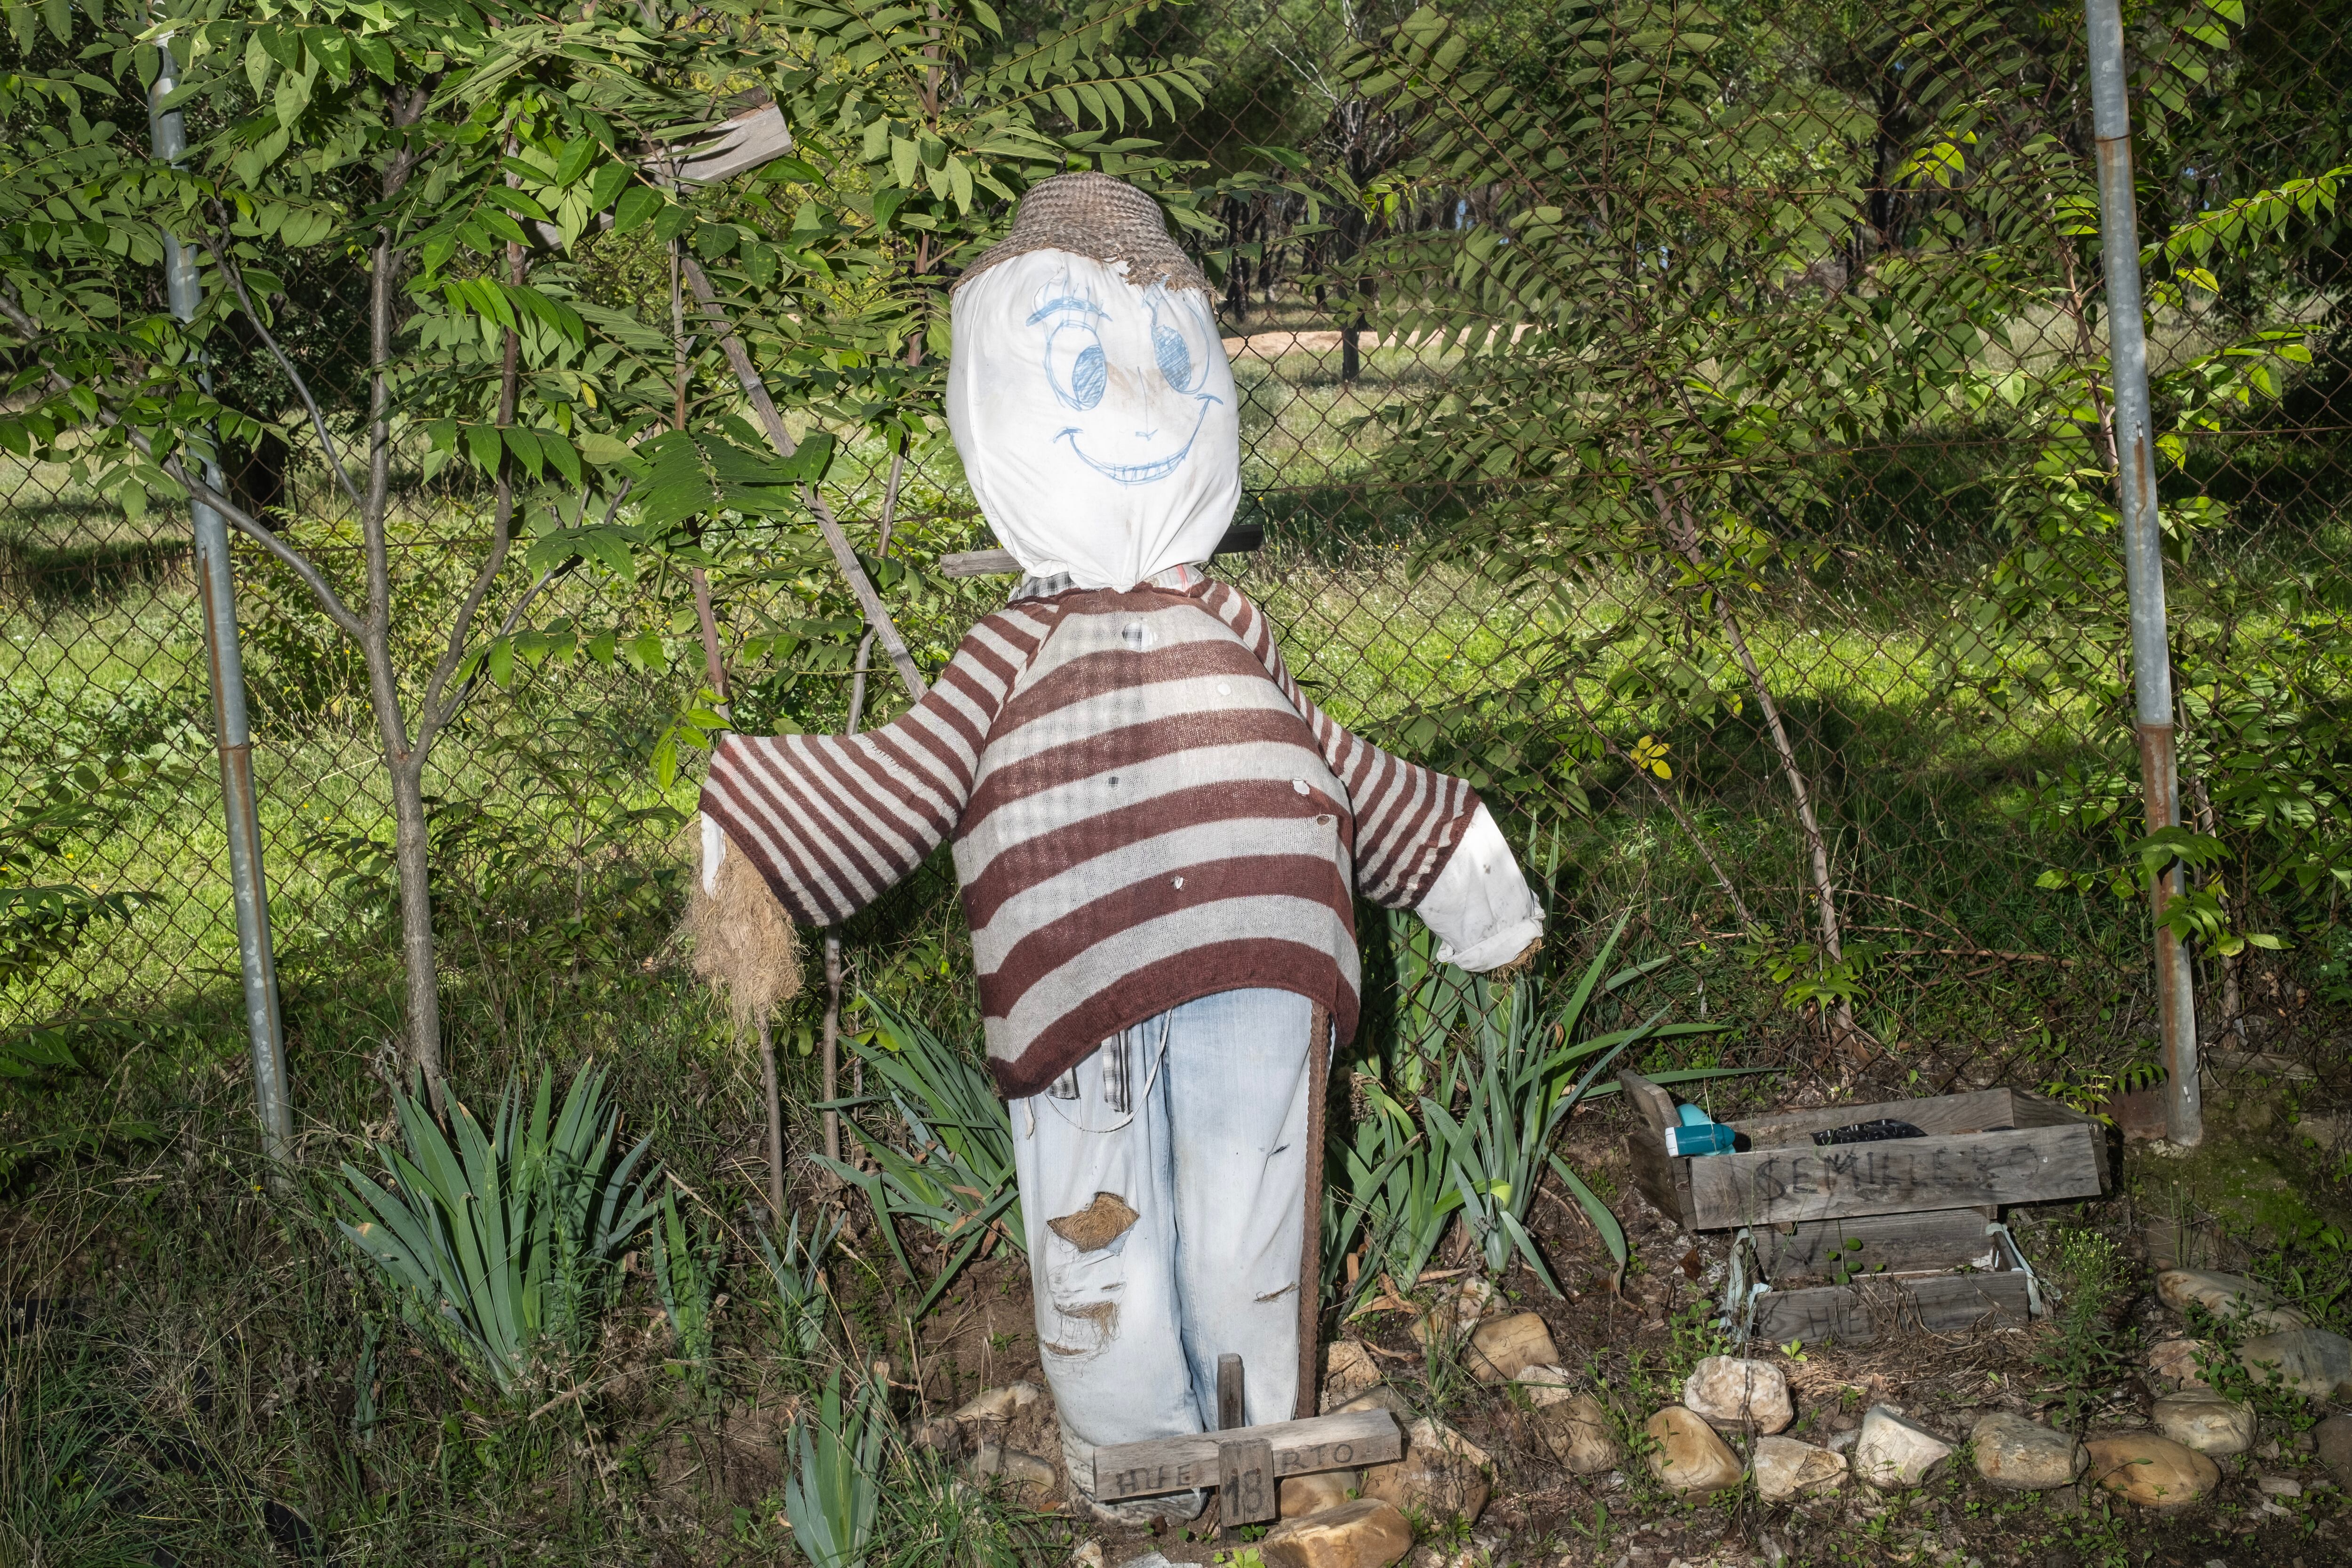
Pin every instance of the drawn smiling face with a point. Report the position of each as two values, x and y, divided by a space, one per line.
1096 418
1133 419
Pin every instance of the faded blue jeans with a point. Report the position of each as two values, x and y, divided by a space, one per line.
1161 1180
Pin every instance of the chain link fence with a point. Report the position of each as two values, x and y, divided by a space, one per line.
1687 424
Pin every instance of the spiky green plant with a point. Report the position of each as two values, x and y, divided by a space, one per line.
797 1271
958 1180
834 1488
502 1243
685 1259
1520 1086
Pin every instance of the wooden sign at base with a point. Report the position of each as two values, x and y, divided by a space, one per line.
1341 1442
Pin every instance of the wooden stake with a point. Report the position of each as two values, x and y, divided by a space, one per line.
1310 1244
775 1122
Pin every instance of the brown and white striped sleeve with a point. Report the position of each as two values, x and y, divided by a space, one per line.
1408 817
834 821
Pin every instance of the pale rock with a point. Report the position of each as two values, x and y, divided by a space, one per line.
1366 1533
2202 1419
2232 1298
2279 1486
1894 1450
1026 1471
1503 1347
1442 1475
1580 1435
1303 1494
1733 1393
1089 1555
1348 1370
2312 1362
999 1404
1785 1467
1843 1440
2153 1471
2022 1455
1689 1457
2332 1439
1455 1310
1553 1384
1379 1396
2174 1361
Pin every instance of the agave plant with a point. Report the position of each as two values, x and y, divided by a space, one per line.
1520 1087
833 1489
958 1180
797 1271
504 1239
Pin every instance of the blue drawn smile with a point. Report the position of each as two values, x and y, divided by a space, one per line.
1143 473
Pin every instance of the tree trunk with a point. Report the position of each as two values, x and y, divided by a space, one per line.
412 855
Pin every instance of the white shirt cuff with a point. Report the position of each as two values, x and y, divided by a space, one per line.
1480 906
714 855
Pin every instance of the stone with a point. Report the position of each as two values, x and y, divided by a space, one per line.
1455 1310
1303 1494
2279 1486
1553 1384
2022 1455
2153 1471
2202 1419
2332 1440
1089 1555
943 1435
1732 1393
1348 1370
2231 1297
1843 1440
1442 1474
1580 1435
1025 1471
1689 1457
999 1404
1894 1450
1785 1467
2174 1361
1502 1348
2313 1361
1366 1533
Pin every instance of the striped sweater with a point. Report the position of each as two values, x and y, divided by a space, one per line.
1145 808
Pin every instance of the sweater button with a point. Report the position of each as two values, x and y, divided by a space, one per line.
1224 689
1136 635
1298 785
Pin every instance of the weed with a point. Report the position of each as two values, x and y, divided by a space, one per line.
2089 1346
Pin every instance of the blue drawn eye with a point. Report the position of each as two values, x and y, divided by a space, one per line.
1175 356
1075 367
1181 367
1088 377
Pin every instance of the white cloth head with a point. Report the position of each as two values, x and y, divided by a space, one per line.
1096 420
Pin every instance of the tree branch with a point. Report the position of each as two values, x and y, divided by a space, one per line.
236 276
746 374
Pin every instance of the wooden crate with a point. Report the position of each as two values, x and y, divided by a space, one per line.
1856 1239
1984 1150
1942 1271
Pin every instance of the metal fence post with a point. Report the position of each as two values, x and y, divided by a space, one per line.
217 588
2142 546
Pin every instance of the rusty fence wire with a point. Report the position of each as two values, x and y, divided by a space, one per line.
1690 423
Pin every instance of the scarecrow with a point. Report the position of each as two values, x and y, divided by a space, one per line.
1159 836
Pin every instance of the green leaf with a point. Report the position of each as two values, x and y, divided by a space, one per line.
639 205
606 184
482 442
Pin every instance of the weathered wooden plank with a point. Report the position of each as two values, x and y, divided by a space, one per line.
1245 1484
1799 1182
1942 1304
1662 1179
1938 1116
1938 1238
1656 1106
1337 1442
1240 539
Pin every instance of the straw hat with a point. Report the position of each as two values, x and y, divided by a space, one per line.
1098 216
